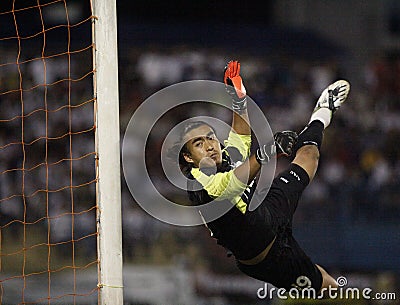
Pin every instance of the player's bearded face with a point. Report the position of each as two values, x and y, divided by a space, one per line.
203 147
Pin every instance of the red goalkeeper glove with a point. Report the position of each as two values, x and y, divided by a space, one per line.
234 86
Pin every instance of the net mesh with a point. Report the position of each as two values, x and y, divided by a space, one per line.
47 158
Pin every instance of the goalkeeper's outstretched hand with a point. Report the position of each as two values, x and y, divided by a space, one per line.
234 86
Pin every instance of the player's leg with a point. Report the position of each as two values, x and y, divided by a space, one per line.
310 139
288 266
307 157
327 280
328 283
286 262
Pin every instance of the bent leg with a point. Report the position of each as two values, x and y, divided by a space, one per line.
329 101
307 147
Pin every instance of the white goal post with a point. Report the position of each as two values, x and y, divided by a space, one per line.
105 59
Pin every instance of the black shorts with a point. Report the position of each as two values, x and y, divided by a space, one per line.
286 265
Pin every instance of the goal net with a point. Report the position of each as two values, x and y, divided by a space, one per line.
49 156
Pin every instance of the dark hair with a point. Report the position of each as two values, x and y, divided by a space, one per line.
179 149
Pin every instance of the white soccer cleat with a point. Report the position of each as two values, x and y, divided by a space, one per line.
333 96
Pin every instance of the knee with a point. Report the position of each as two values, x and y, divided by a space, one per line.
307 157
308 152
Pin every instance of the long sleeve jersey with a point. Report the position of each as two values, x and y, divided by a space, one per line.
245 233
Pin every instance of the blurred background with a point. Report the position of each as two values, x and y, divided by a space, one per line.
348 218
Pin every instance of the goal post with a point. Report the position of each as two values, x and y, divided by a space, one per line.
107 142
60 192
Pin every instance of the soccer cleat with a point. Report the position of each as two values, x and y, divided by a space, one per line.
333 96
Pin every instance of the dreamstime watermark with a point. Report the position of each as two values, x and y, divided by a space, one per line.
212 95
303 290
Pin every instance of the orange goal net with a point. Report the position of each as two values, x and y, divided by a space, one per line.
48 209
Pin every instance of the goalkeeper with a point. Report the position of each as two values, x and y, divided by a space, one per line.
261 240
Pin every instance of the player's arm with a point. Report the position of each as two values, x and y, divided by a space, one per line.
235 88
241 137
281 145
226 185
229 184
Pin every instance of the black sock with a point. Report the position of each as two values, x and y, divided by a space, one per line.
311 135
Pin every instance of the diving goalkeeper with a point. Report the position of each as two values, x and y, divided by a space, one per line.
261 240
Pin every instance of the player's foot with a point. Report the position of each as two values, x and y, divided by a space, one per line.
330 101
333 96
